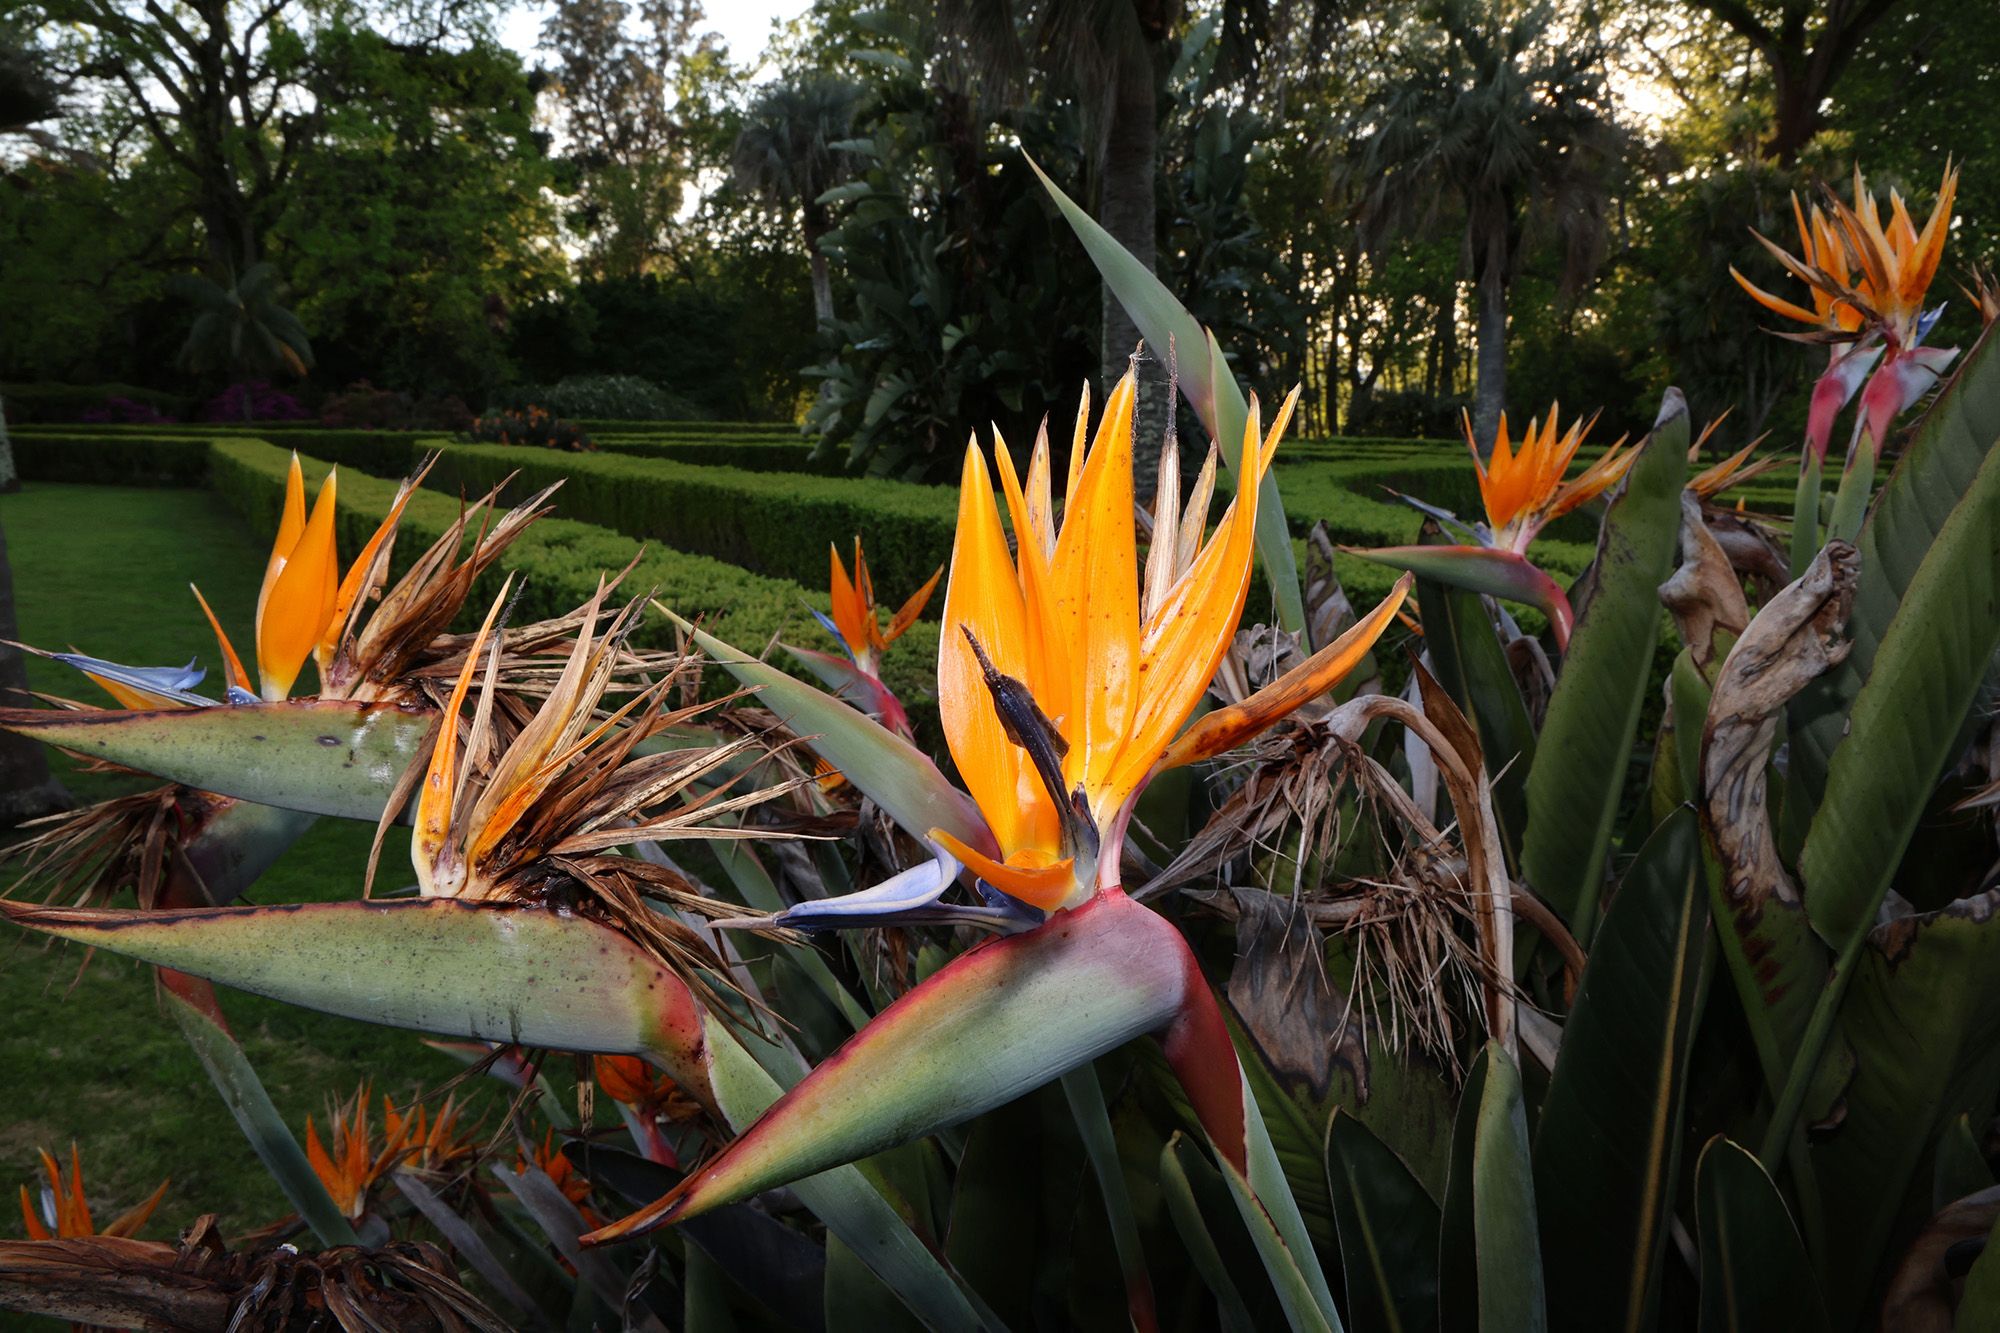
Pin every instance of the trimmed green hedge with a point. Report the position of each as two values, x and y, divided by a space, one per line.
750 453
773 523
24 403
111 460
560 561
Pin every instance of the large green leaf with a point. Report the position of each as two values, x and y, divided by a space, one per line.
1907 717
1593 716
1204 374
1490 1260
520 975
1469 662
1947 450
1388 1232
1607 1144
1922 1018
192 1003
324 757
1979 1306
1754 1272
229 844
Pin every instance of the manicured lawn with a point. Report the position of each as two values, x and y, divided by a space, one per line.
85 1051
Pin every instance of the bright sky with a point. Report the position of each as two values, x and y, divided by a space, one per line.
744 25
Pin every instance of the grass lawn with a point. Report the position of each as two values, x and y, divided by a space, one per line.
87 1054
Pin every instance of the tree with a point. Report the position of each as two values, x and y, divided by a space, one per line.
1806 45
1508 118
225 90
1112 57
617 84
786 153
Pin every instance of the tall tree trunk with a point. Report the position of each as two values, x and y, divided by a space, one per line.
27 789
1127 208
1489 392
822 276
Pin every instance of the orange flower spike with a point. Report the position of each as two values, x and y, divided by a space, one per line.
232 665
984 596
358 574
67 1210
299 599
849 616
1095 575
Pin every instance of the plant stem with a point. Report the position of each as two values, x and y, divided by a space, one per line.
1805 513
1805 1062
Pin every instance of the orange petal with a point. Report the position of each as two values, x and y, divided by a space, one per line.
906 614
1045 886
1192 628
1046 654
1041 509
31 1219
984 596
432 835
132 1219
1775 304
1593 481
128 697
294 615
291 524
1096 581
232 665
1226 728
846 605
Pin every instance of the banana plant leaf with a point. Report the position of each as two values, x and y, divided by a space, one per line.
1937 468
1754 1271
1593 715
1907 718
1388 1232
1922 1018
1608 1141
1490 1269
1469 662
322 756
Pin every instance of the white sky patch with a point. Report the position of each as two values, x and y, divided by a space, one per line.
743 25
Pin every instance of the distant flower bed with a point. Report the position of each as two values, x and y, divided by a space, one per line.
254 400
531 426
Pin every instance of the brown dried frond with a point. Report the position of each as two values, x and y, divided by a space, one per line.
405 629
84 857
535 819
199 1283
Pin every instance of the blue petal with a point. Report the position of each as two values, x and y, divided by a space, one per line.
176 683
911 899
832 629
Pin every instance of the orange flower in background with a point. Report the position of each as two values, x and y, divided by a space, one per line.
1823 265
1523 488
64 1213
648 1097
551 1162
355 1163
855 619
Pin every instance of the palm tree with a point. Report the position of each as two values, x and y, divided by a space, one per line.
242 329
1497 111
786 153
